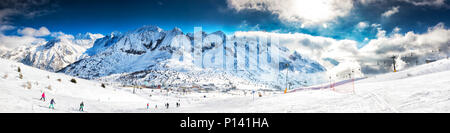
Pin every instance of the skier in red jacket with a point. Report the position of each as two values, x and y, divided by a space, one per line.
43 96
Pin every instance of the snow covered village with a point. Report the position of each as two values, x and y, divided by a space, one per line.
161 64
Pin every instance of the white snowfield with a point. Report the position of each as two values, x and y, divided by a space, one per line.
424 88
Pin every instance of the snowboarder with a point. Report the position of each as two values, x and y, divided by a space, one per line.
43 96
81 106
51 104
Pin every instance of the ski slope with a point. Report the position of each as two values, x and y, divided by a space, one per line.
16 98
424 88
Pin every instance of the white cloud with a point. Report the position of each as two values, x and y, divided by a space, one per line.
306 12
244 26
432 39
6 28
436 3
437 38
381 33
391 11
366 39
375 25
317 48
410 44
396 30
61 35
367 2
28 36
16 41
43 31
362 25
325 25
314 47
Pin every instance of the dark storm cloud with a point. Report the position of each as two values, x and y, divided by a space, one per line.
9 9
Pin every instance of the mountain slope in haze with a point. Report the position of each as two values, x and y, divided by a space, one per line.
54 54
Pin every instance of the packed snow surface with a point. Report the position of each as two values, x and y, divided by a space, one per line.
424 88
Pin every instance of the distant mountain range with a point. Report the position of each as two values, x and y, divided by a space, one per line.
146 55
54 54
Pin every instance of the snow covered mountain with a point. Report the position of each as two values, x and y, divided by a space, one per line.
86 40
103 43
146 53
54 54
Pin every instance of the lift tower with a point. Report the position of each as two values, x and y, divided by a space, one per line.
393 62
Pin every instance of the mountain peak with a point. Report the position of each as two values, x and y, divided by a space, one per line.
88 35
148 28
176 29
219 33
51 43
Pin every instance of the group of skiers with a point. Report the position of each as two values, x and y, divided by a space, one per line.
166 105
52 102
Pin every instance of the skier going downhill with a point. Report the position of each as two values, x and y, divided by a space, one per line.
81 106
148 105
43 96
51 104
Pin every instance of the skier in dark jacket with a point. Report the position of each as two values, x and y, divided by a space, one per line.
81 106
51 104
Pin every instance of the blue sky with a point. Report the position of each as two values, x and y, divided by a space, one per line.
105 16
